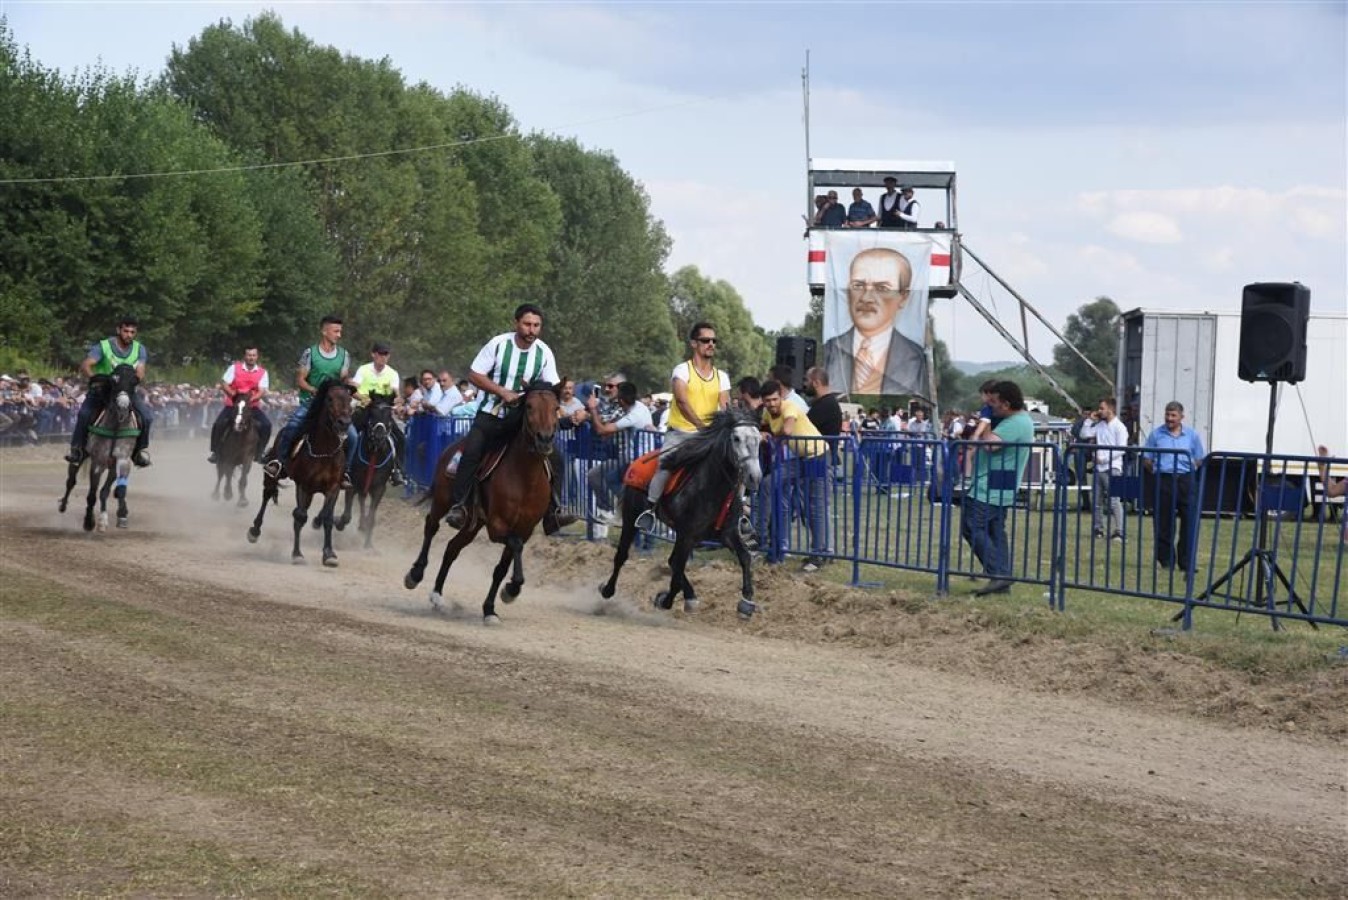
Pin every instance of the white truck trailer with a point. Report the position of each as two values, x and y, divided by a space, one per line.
1191 357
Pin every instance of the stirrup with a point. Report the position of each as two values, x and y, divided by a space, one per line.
646 521
273 468
141 457
395 477
214 458
457 517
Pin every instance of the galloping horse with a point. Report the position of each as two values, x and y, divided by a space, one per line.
111 439
375 458
316 466
237 448
513 499
704 503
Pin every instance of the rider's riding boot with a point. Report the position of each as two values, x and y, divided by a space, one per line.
213 458
75 456
457 517
346 480
646 521
554 520
395 478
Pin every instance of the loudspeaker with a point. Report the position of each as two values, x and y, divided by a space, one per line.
796 352
1273 332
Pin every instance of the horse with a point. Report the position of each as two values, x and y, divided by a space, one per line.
375 458
112 437
719 464
238 445
513 498
316 465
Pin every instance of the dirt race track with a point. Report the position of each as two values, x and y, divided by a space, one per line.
185 714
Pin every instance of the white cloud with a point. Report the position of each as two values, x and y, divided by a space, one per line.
1147 227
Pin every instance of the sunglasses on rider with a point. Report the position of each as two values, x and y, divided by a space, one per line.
706 340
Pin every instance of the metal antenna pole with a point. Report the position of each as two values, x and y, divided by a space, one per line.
805 88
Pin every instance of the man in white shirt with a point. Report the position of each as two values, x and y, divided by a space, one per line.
605 478
1109 434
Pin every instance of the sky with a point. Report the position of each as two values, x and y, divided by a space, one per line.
1161 154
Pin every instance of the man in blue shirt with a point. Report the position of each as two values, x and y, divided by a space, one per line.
860 214
1174 467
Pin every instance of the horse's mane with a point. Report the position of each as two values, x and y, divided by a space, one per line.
319 404
538 384
705 444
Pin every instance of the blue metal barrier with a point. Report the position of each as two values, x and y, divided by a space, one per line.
1227 536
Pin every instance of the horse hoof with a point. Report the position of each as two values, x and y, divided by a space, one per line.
691 604
61 507
88 525
510 592
298 560
253 534
746 608
121 521
663 600
410 581
491 621
330 560
437 600
340 524
606 591
243 501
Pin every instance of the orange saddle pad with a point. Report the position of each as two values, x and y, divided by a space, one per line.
643 469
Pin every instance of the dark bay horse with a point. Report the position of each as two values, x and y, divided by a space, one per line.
719 463
237 449
374 462
315 466
112 437
510 502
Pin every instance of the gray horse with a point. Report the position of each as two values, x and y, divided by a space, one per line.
108 448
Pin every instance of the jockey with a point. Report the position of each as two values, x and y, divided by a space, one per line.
377 376
500 371
248 378
700 391
104 356
320 363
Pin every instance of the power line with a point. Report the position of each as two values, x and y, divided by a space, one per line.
253 167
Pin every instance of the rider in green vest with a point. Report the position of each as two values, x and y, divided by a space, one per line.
103 357
324 361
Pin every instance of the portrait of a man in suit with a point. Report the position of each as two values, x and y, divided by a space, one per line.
873 356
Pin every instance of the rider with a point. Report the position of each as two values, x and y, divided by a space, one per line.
377 376
104 356
500 371
248 378
325 361
700 391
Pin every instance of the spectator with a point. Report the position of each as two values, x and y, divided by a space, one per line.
426 395
889 204
998 470
1080 433
570 411
860 214
605 479
825 412
1108 433
907 208
609 409
451 394
831 214
808 473
1333 487
786 376
1174 472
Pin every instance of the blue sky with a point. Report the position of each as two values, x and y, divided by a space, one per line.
1163 154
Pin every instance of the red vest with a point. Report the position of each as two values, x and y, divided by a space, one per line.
245 382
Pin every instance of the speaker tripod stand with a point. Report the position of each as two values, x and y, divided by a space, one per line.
1261 562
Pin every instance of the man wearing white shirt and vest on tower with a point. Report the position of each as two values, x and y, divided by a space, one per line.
501 370
322 362
103 357
700 390
377 377
244 377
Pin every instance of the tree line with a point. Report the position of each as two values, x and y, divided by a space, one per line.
306 200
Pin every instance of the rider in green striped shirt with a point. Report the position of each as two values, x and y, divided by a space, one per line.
500 371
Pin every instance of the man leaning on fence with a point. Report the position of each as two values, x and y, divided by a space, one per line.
998 470
1174 468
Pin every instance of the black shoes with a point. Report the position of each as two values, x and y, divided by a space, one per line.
995 586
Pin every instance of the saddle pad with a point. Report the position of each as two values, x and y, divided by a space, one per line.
488 465
643 469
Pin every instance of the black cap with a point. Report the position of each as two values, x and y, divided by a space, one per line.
891 178
381 347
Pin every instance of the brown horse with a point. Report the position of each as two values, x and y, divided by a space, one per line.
237 447
511 501
315 466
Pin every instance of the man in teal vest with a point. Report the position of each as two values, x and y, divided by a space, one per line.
322 362
104 356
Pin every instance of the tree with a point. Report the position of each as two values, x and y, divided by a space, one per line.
1093 331
743 349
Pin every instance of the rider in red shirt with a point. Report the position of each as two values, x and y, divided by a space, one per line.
246 378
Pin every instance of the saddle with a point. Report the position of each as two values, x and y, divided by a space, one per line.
490 461
642 469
